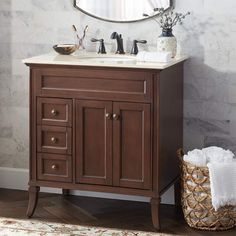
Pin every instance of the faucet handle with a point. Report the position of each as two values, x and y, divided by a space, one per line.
95 40
141 41
134 49
102 48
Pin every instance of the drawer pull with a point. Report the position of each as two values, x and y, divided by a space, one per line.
54 112
109 116
54 167
54 140
116 116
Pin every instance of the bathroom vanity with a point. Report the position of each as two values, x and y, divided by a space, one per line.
105 124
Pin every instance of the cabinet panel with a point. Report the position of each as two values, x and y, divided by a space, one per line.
53 139
106 84
93 142
131 145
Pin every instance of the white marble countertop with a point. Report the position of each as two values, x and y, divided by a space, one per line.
87 59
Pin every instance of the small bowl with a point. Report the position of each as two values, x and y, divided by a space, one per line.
65 49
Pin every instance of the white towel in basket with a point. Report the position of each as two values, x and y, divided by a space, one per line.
196 157
222 170
223 183
217 154
210 154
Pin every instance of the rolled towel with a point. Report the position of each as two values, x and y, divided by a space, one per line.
217 154
154 56
223 183
196 157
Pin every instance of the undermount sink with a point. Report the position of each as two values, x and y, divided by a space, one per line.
106 58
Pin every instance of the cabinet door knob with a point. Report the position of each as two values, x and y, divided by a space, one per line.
54 112
54 167
54 139
116 116
108 116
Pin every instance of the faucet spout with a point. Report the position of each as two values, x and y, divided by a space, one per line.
114 35
119 40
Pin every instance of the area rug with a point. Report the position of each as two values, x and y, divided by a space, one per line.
15 227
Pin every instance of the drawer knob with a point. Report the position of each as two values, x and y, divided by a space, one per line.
54 167
116 116
54 112
109 116
54 140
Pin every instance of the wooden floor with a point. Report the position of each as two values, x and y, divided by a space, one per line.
97 212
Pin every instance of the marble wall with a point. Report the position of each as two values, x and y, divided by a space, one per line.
31 27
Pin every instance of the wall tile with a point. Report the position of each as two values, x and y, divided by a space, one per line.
224 142
22 5
193 109
216 110
192 140
6 132
5 5
207 127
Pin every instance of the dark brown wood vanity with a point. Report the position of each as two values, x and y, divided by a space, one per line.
105 129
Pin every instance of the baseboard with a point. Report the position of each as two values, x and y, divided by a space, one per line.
14 178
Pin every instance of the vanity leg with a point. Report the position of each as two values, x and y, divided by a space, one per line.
65 192
177 189
155 206
33 199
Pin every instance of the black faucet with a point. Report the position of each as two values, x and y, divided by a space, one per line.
134 49
120 47
101 49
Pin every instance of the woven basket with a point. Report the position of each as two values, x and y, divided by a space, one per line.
196 200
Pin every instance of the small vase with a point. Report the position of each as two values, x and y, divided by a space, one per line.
167 42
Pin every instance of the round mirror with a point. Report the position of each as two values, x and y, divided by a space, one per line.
120 10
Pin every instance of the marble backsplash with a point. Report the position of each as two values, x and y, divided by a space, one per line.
31 27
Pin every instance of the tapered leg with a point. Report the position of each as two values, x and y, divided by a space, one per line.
177 188
178 205
65 192
33 199
155 205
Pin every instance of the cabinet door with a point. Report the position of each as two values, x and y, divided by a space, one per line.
131 145
93 142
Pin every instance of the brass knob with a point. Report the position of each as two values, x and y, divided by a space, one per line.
54 140
108 116
54 112
116 116
54 167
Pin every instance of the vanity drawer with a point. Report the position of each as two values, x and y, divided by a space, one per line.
54 167
107 84
53 139
54 111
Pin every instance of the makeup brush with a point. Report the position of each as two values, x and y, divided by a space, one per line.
85 30
81 41
76 31
76 34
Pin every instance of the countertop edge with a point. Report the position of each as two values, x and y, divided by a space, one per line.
49 59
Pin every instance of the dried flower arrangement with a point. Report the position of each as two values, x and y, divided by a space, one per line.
167 20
